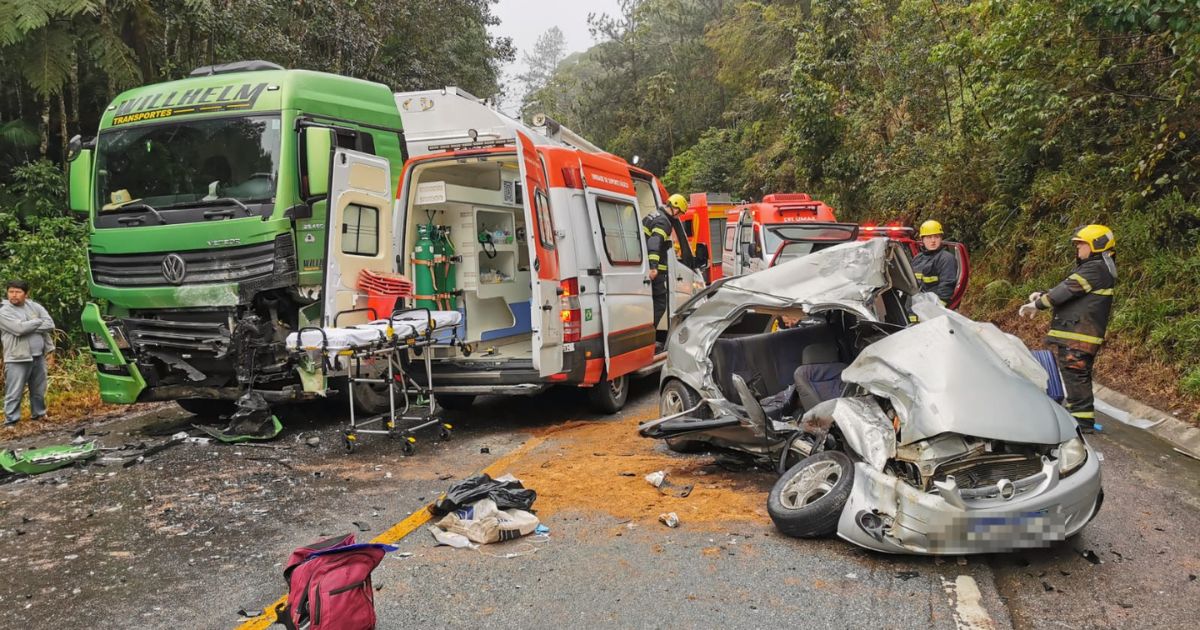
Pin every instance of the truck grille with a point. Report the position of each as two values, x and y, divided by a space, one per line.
207 266
175 337
988 472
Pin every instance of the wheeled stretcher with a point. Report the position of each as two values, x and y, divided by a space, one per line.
355 352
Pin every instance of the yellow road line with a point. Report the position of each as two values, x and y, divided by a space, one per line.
397 532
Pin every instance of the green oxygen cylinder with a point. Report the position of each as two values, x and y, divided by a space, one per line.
443 255
424 290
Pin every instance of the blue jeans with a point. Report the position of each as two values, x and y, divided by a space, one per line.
18 376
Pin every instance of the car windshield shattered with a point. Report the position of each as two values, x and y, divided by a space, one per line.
190 163
893 422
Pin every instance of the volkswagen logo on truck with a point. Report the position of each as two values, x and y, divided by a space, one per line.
174 269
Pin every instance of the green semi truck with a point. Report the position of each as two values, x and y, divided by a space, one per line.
206 200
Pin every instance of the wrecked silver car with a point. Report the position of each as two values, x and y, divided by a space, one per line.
934 437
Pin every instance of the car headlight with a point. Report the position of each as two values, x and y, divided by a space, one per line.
1071 455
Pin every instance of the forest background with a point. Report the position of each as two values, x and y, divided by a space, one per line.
1010 121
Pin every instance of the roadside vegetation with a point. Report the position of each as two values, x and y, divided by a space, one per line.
1012 122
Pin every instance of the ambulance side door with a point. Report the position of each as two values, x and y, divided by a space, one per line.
358 235
545 313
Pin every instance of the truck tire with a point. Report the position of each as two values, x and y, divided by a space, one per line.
807 500
207 407
610 396
675 398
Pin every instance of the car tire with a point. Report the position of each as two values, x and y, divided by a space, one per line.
609 396
807 500
677 396
207 407
456 402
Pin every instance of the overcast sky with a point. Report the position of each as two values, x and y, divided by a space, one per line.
524 20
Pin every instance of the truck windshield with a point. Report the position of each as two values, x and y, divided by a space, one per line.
188 163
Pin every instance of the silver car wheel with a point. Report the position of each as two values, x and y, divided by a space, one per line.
672 403
809 486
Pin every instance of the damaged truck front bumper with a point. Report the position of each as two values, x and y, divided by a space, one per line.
886 514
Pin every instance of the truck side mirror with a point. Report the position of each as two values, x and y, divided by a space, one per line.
318 151
79 181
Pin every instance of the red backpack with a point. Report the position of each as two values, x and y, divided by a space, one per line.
329 585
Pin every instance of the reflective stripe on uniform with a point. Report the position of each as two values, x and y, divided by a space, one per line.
1084 414
1045 300
1063 334
662 267
654 257
1102 292
1087 286
660 232
929 279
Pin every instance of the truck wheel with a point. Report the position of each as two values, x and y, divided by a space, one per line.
677 397
610 396
807 500
207 407
456 402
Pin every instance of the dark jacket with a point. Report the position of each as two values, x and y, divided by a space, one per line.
937 271
657 229
1082 304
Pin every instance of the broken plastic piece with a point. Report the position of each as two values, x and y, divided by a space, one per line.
40 460
670 519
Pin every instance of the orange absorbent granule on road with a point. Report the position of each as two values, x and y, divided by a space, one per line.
601 466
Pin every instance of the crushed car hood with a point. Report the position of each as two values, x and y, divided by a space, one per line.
952 374
846 276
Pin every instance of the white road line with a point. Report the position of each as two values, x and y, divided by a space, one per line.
967 604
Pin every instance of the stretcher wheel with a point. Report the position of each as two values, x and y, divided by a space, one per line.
444 432
350 442
408 445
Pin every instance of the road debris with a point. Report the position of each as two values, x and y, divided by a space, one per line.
669 519
314 441
507 492
253 420
483 522
658 479
1091 556
40 460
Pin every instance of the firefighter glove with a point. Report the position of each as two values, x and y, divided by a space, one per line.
1028 310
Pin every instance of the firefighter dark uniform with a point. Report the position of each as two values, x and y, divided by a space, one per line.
937 272
657 229
1081 305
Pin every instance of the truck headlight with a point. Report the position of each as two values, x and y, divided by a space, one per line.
1071 455
118 335
97 343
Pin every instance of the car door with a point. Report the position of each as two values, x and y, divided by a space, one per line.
964 272
685 279
358 235
626 309
544 308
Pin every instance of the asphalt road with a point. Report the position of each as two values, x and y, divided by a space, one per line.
196 533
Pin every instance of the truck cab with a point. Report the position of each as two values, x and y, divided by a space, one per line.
207 243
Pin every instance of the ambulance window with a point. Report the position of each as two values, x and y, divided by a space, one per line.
645 196
714 229
622 232
729 232
360 230
545 224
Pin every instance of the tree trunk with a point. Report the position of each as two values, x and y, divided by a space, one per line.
44 128
62 127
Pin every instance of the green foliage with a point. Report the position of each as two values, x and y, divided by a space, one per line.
1010 121
52 258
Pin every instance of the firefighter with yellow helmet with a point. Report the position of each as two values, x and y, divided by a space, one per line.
656 226
1081 305
936 266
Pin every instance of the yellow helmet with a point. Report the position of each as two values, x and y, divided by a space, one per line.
931 227
679 202
1098 237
